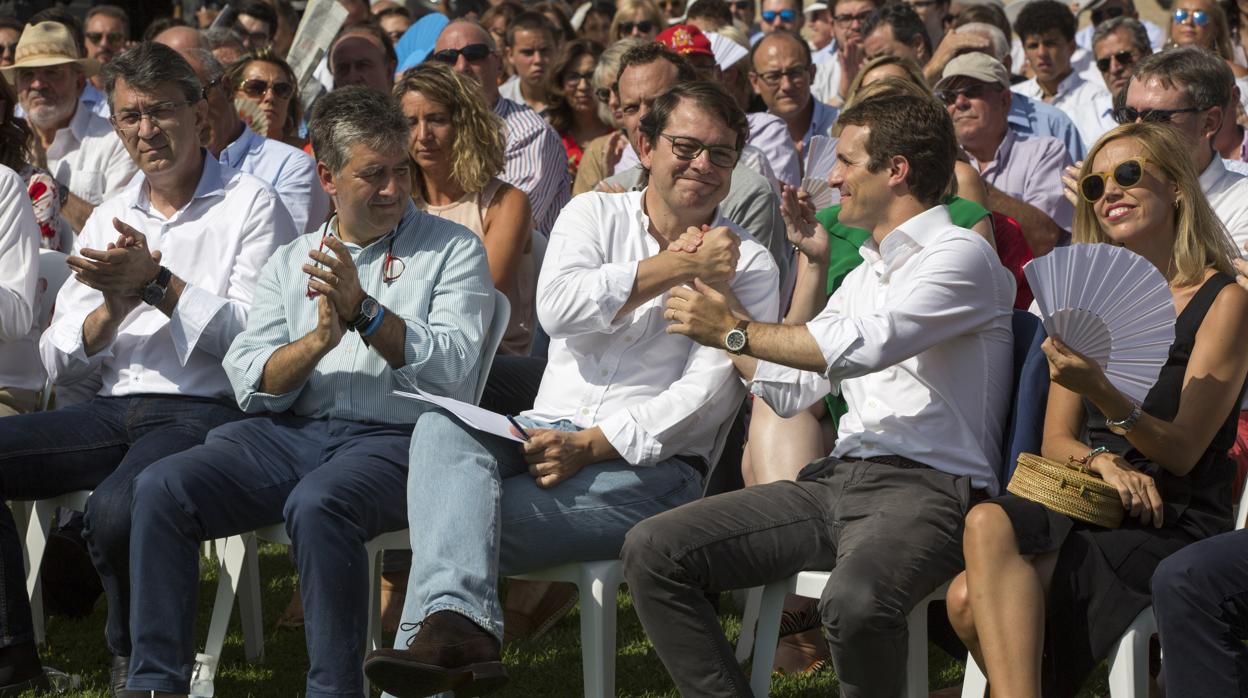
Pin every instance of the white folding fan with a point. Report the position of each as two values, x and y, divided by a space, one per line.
1109 304
820 157
252 115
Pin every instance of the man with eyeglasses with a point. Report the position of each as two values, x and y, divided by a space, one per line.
537 163
781 75
73 143
626 419
164 274
290 171
832 80
1101 11
1021 173
106 32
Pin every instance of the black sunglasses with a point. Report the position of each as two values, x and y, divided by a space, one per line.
644 26
1124 58
256 89
970 92
1130 115
471 53
1127 174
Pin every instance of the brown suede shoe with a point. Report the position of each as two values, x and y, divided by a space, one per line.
449 653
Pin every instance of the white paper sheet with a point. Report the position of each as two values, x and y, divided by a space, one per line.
476 417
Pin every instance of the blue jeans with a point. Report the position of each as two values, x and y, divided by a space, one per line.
475 513
99 445
336 484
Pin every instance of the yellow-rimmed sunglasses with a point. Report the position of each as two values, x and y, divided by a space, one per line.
1127 174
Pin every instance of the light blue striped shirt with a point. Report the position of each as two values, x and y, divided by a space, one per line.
444 295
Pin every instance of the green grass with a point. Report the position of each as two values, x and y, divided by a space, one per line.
550 666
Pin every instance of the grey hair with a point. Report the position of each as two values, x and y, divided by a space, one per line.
996 37
149 66
351 115
223 37
212 67
1133 26
608 69
1205 77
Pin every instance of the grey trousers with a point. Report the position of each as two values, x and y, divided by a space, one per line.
889 535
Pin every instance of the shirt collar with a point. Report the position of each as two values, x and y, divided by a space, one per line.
1213 173
905 241
1003 151
211 183
409 219
644 218
81 121
248 142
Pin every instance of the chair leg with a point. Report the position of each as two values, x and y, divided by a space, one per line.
232 554
767 634
249 614
916 657
749 623
1128 665
974 682
37 531
598 587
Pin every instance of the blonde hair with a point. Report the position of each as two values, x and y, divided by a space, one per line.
1200 239
625 11
1222 44
913 72
478 153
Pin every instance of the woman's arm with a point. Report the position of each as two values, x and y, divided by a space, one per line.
508 225
971 186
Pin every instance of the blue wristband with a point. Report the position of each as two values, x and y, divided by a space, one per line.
372 326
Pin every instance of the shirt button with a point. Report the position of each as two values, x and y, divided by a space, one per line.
585 410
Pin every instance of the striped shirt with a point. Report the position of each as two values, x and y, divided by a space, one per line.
537 163
444 295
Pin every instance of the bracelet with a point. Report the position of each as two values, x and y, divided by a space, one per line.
372 326
1094 453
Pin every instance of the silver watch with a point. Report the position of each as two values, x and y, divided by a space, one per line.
1122 427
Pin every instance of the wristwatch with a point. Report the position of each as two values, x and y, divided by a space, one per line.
737 338
154 292
1122 427
369 308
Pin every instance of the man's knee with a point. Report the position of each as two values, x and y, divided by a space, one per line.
650 548
857 607
1185 577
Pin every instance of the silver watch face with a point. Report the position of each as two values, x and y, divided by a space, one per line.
734 341
368 308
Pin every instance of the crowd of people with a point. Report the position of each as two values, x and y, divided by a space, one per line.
760 265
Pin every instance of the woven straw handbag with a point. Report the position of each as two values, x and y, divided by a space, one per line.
1069 489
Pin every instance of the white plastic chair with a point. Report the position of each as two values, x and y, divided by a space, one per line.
239 575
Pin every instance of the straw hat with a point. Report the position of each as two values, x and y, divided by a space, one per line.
48 43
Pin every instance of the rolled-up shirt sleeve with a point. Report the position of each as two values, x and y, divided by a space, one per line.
267 331
62 347
19 258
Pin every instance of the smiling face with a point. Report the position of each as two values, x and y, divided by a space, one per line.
695 185
1145 209
432 134
864 194
371 192
1049 55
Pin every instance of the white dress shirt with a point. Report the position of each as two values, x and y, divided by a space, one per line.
89 158
770 134
1227 192
918 339
217 243
19 276
95 100
826 87
1082 100
290 171
655 395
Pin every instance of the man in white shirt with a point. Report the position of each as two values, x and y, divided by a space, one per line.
78 146
290 171
1047 30
627 416
781 73
21 374
918 340
822 38
537 163
1118 45
1102 11
164 275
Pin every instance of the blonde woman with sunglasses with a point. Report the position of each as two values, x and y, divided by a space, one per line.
1203 23
1044 597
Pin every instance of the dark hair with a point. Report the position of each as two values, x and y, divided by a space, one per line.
916 128
7 22
781 36
561 22
716 10
904 21
351 115
606 10
529 21
149 66
396 10
506 9
14 133
261 11
985 14
160 24
1040 16
60 15
1205 77
649 53
109 11
706 96
560 113
374 30
222 37
234 81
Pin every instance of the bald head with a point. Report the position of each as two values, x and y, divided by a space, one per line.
182 39
461 33
777 42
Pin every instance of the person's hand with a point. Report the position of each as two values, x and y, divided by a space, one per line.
690 240
852 58
1138 491
800 226
607 188
701 313
337 278
1072 370
120 270
717 255
1241 272
554 456
616 144
1070 182
329 325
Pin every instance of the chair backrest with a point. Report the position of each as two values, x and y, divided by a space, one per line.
1024 428
53 271
493 337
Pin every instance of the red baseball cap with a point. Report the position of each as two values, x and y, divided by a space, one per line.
686 40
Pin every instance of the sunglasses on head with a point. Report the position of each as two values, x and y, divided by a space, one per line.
97 37
644 26
471 53
1126 174
770 16
256 88
1199 18
1124 58
1130 115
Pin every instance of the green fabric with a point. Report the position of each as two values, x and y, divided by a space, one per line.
843 257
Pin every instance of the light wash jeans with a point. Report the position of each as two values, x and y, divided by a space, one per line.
476 513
